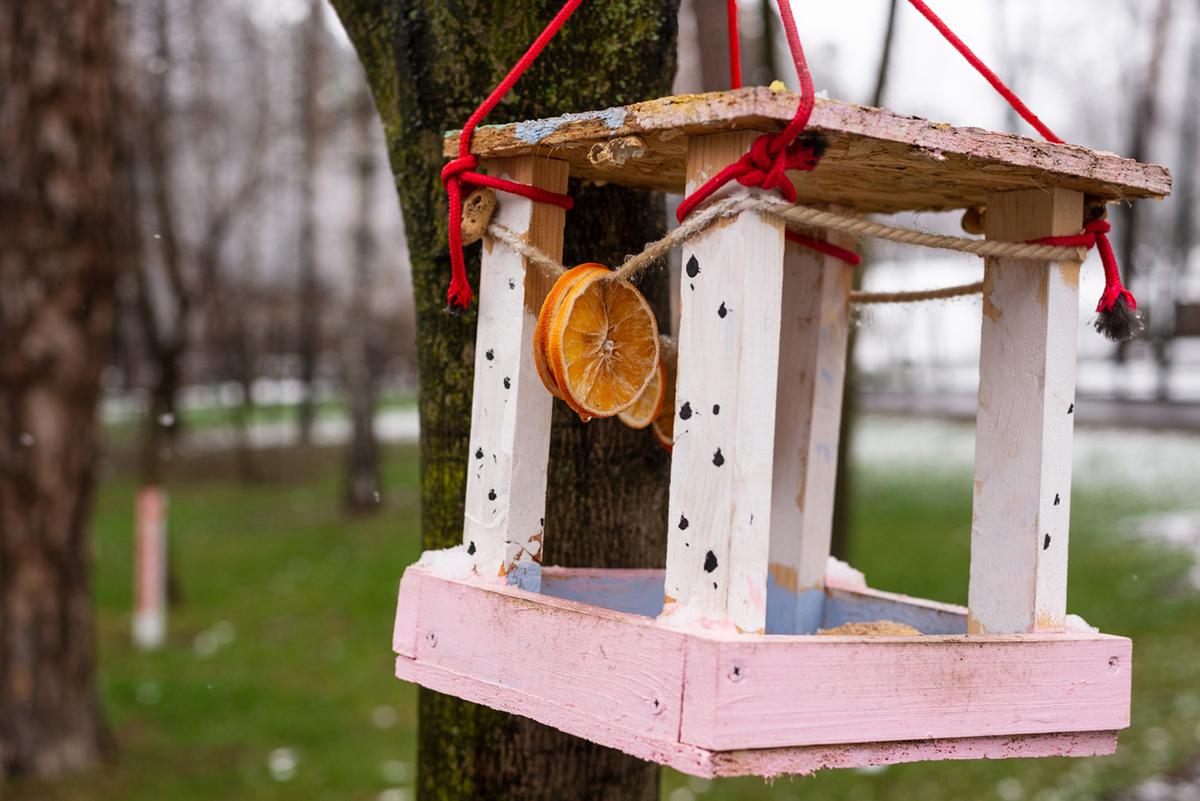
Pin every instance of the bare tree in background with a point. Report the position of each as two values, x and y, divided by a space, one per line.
311 67
1183 238
885 55
58 269
1142 121
839 544
362 457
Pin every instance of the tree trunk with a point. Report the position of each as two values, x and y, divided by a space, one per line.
429 64
308 324
362 457
57 275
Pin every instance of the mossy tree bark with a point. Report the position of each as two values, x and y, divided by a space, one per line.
57 271
429 63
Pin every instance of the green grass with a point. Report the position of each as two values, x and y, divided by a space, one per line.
309 596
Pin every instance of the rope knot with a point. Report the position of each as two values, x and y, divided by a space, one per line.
767 162
456 167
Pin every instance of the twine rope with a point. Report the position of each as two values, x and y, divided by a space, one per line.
809 218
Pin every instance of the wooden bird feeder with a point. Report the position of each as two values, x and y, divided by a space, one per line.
714 666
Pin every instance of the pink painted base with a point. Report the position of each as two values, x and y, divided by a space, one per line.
714 704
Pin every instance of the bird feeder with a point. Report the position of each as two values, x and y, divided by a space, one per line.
715 665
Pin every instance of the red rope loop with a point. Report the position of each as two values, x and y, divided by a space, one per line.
1096 231
460 172
1095 235
771 156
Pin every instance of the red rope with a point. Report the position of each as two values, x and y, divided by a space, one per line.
735 45
1095 233
460 171
821 246
771 156
1095 236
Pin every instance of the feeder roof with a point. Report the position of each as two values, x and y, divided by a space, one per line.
877 161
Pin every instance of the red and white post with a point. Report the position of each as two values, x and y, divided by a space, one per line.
150 568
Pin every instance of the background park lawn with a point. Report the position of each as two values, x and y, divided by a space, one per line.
276 681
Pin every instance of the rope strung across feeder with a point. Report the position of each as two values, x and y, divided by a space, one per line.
1050 249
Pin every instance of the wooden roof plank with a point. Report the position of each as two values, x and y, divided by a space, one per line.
877 161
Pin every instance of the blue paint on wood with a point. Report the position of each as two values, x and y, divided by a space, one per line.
789 612
527 576
637 594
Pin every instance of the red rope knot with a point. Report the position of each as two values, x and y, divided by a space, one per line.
456 167
1117 315
767 162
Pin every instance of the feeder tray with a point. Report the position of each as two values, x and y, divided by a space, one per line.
714 666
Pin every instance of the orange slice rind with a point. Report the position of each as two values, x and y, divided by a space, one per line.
602 345
649 404
541 332
664 423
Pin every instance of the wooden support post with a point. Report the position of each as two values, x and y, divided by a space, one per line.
1025 420
510 411
720 506
150 568
808 412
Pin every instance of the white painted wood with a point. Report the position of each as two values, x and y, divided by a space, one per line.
1022 497
510 411
808 413
720 506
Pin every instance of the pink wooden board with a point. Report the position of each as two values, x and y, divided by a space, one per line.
794 705
817 690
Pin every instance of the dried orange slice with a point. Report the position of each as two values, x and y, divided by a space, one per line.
603 345
664 422
546 317
648 405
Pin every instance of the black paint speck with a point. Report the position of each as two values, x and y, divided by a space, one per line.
1046 542
471 548
683 523
693 267
722 311
693 286
491 495
507 382
714 585
685 411
512 284
710 562
716 408
491 354
718 458
542 521
1071 409
1057 500
479 453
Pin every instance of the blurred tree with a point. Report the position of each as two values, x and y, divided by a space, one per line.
429 65
1142 124
57 277
311 67
1183 237
362 457
842 521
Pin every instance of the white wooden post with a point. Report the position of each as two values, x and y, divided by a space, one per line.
510 411
808 414
720 506
1024 421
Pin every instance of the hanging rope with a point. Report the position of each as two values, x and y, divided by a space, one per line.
771 156
1117 316
461 171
